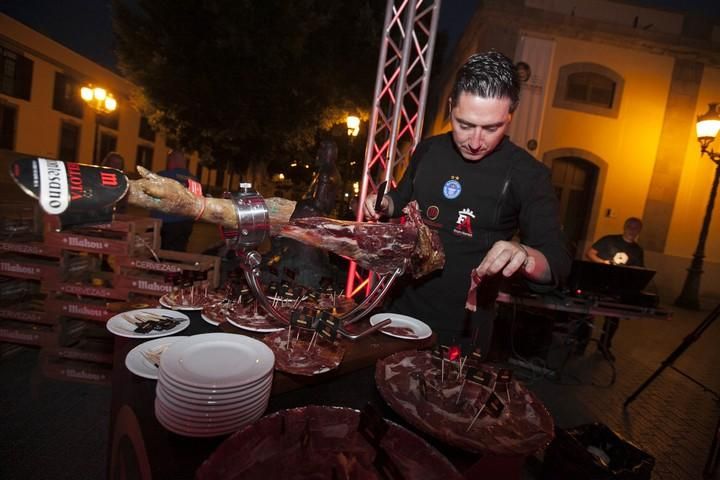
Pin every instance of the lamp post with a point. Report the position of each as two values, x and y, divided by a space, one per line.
707 127
353 129
101 101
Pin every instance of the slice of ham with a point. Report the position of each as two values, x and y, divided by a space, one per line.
471 302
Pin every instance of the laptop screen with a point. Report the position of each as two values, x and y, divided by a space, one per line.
600 278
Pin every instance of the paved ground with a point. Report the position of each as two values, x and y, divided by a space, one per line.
45 423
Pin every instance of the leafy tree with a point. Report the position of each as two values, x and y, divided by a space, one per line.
247 80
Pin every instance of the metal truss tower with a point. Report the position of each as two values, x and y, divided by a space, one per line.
401 87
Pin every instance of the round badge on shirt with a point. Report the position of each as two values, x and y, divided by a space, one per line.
452 189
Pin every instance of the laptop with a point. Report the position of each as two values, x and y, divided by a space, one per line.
590 278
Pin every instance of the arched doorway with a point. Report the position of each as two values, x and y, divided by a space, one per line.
575 182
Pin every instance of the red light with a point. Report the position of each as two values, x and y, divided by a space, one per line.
578 292
454 353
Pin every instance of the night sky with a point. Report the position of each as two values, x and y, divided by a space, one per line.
85 25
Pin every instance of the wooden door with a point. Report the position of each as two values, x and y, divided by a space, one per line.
574 180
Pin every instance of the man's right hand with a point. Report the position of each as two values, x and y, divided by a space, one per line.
369 207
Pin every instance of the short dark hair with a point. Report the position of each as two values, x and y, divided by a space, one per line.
488 75
633 221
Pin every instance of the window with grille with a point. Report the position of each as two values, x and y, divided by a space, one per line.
69 142
589 88
66 95
8 125
146 131
108 143
144 156
15 74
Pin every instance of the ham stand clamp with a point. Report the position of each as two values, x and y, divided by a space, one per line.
254 228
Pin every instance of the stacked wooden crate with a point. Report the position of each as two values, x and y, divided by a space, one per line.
58 288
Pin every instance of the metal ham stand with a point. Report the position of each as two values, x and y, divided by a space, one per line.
253 229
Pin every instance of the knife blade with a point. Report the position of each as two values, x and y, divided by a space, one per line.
380 195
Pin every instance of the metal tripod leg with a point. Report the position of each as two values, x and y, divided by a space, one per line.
668 362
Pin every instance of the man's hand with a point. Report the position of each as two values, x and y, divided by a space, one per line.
369 207
508 258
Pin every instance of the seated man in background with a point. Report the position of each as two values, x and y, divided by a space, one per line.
617 250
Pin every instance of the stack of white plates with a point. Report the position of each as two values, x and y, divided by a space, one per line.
213 384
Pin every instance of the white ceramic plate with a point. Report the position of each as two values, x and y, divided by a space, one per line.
218 396
194 430
119 326
209 320
165 303
136 362
210 412
194 391
420 330
217 360
250 328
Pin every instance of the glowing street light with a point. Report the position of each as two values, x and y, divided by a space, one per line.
353 125
101 101
707 128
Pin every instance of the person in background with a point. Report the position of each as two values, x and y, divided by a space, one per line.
617 250
113 160
478 189
311 265
176 229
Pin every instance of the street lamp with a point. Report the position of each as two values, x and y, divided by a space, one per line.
101 101
707 128
353 129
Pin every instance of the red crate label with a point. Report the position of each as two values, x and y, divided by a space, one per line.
22 315
150 286
82 374
30 248
19 336
86 311
155 266
92 291
15 269
88 244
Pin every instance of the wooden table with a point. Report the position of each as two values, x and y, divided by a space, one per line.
140 448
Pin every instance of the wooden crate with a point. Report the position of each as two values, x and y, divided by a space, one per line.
148 268
65 369
30 310
81 285
86 308
26 333
24 267
128 236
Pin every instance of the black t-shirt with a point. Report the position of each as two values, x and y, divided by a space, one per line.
473 205
620 252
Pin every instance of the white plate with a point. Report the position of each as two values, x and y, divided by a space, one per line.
209 320
420 329
136 362
210 413
219 404
219 396
165 303
217 360
194 430
254 329
119 326
204 392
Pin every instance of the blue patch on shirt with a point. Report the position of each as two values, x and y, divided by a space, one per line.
452 189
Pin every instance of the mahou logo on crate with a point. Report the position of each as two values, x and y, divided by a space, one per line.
84 310
18 268
152 286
